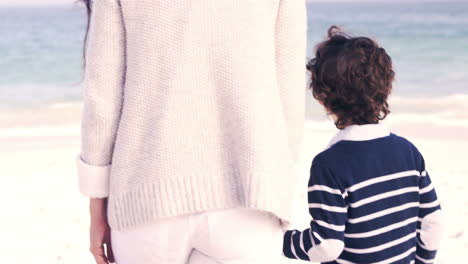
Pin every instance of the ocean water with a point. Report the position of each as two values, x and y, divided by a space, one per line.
41 49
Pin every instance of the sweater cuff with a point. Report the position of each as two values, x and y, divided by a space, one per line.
93 181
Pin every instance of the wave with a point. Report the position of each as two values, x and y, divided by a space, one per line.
452 108
447 111
41 131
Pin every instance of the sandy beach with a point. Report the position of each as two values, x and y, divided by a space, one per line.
45 213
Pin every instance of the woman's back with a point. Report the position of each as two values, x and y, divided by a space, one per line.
198 105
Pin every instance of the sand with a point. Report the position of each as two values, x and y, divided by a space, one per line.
45 219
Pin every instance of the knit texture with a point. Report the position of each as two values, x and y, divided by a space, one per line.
371 201
192 106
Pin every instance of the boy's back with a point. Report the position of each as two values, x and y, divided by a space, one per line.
370 190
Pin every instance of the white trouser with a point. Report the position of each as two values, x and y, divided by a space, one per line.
224 236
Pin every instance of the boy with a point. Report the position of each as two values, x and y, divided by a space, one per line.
370 197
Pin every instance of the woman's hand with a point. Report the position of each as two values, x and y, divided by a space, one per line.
100 232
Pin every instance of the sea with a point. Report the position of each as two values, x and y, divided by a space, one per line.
41 52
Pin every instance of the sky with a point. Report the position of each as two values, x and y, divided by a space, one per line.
67 2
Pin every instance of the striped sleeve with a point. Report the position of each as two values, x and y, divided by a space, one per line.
430 221
324 240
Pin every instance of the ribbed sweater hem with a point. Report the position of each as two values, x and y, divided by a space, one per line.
147 203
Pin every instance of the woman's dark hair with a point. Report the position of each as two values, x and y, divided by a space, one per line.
88 5
352 77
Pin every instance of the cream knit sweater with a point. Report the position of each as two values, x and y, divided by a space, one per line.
192 105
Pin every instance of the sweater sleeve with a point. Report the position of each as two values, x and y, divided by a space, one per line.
430 226
324 240
102 99
290 43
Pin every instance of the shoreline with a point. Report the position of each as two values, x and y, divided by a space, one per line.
64 119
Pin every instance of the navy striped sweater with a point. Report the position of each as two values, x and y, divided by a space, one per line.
371 201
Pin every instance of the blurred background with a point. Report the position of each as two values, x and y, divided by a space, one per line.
45 219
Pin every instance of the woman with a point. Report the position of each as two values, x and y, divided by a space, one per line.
192 120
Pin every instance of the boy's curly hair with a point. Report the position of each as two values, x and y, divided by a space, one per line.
352 77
